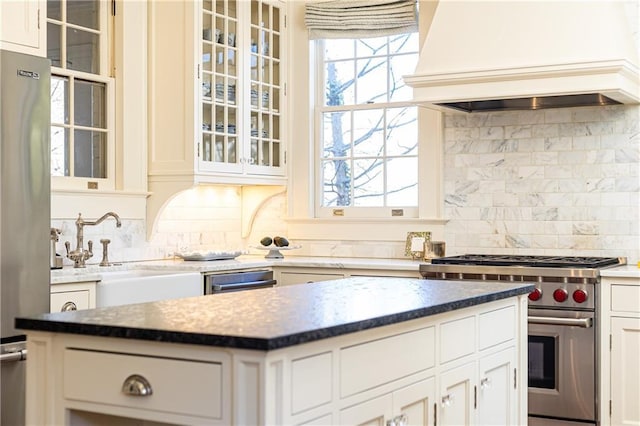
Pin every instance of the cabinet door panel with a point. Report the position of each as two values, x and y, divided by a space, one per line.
289 278
496 393
456 395
369 413
416 402
625 371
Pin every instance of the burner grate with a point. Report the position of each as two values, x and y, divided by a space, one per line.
530 261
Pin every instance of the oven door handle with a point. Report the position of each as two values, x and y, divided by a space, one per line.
575 322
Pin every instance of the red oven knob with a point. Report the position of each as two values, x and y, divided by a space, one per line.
560 295
535 295
580 296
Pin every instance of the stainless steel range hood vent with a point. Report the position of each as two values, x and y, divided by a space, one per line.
512 55
591 99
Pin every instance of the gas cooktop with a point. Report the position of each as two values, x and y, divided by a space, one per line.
530 261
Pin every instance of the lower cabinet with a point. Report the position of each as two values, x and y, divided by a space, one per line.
619 366
289 276
72 296
410 405
625 371
497 388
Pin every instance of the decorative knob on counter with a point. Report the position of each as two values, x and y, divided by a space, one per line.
105 252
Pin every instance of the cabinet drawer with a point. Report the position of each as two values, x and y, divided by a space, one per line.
497 327
366 365
624 298
457 339
67 300
289 278
186 387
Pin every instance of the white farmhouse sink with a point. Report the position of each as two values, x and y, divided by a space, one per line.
146 285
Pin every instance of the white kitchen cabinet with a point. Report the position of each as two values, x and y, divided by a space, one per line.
22 26
620 335
301 275
73 296
410 405
289 278
496 389
217 78
455 395
625 371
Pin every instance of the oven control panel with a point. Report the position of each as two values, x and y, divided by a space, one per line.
563 295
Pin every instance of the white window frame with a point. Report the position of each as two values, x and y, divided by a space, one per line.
302 221
105 77
319 109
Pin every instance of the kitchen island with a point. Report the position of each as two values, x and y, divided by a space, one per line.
350 351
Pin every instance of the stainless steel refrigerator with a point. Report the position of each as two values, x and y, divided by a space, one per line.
25 214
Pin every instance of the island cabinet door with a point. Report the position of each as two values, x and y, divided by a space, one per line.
414 404
374 412
496 392
455 400
411 405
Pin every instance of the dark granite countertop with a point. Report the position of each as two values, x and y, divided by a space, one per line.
278 317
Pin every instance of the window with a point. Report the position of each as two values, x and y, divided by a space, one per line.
82 101
368 139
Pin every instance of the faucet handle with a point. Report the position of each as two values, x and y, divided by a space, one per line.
54 234
67 245
90 251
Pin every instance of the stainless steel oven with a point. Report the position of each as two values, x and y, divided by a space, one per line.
563 319
561 357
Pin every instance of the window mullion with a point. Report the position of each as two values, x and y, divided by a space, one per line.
72 132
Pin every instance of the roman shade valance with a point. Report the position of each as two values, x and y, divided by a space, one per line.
360 18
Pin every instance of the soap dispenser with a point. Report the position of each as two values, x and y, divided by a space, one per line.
55 259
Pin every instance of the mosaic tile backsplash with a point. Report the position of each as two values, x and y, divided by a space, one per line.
559 181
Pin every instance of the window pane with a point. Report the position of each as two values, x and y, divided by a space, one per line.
59 151
54 9
339 49
401 65
337 134
59 100
402 182
339 83
53 44
336 179
84 13
404 43
368 133
82 51
402 131
368 186
90 154
372 81
371 47
89 104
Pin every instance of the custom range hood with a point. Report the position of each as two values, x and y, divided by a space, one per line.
517 54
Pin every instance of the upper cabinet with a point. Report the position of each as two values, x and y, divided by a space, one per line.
241 83
22 26
217 94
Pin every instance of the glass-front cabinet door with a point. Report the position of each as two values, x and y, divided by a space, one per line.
241 87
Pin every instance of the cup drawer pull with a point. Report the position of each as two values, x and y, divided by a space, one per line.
136 385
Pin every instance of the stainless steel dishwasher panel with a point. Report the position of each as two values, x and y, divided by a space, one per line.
238 281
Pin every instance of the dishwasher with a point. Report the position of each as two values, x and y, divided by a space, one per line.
238 281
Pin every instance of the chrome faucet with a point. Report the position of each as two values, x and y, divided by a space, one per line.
80 255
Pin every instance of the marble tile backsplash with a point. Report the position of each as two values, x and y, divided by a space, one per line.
557 181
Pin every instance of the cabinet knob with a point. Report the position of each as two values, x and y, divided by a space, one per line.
136 385
447 400
69 306
485 383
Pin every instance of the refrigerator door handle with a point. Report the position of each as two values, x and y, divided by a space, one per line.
20 355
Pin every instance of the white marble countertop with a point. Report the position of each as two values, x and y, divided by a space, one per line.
626 271
93 272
